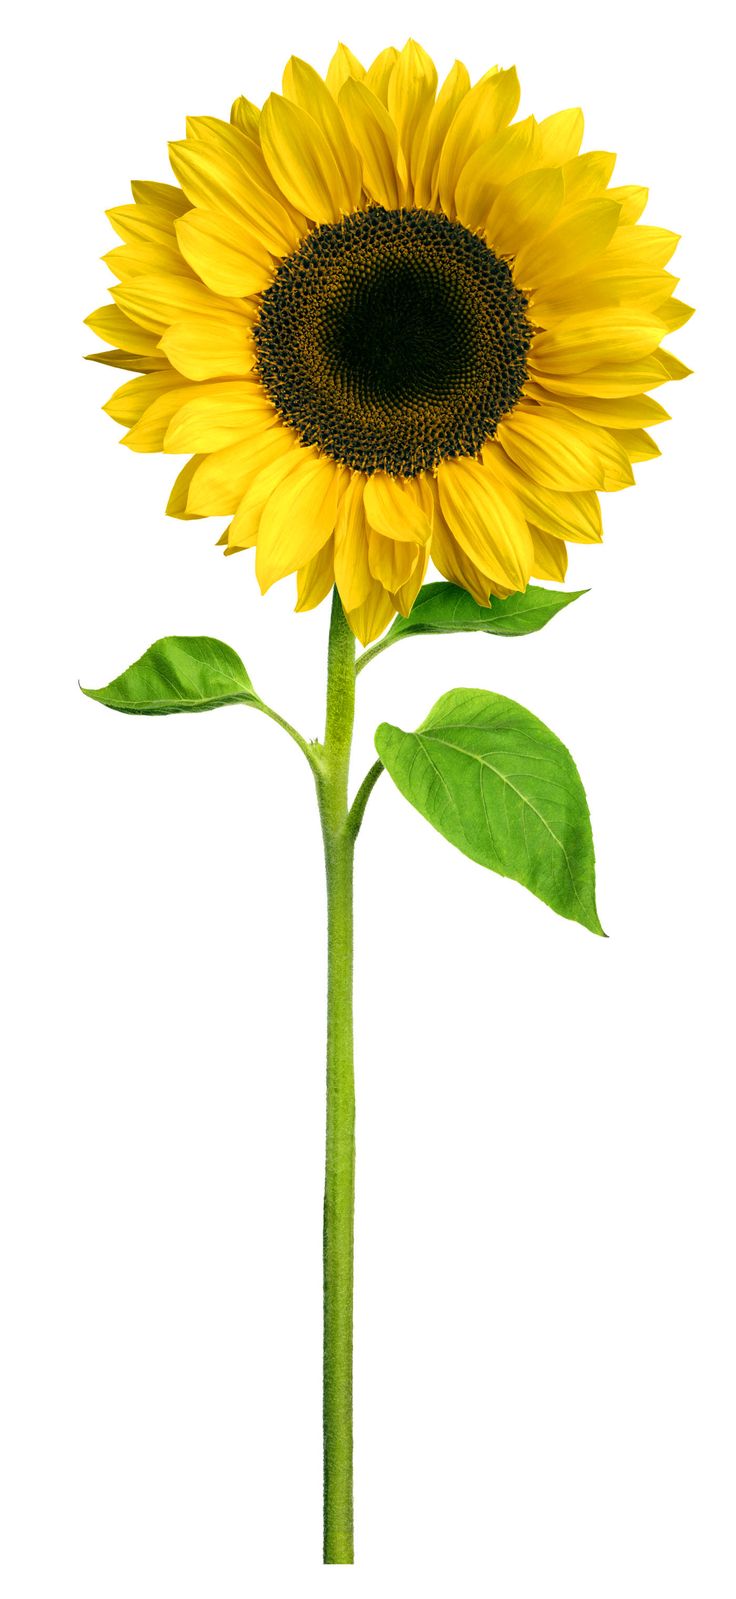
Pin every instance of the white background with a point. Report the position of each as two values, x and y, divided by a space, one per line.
545 1317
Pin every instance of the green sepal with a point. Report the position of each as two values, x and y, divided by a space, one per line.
502 787
179 674
444 608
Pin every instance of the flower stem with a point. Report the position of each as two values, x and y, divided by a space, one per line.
339 841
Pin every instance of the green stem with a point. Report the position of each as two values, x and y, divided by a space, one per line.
370 654
292 732
357 809
339 842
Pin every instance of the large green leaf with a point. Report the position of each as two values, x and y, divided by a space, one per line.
443 608
499 784
179 674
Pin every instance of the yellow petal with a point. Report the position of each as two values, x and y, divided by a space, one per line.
157 301
112 325
637 444
562 453
225 476
298 518
163 196
405 595
221 135
139 259
147 436
242 533
452 562
224 253
524 208
560 137
352 571
210 177
377 143
486 521
571 516
613 379
425 168
550 556
627 411
145 224
245 116
218 414
393 508
632 199
641 246
674 314
203 348
672 368
370 619
301 161
307 90
128 361
219 181
249 157
423 489
555 303
592 337
588 175
378 75
581 232
645 290
483 112
343 65
128 403
390 562
314 581
495 163
411 92
177 503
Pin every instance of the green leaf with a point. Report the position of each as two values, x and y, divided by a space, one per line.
500 786
443 608
179 674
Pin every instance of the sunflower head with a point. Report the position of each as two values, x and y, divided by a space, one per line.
388 323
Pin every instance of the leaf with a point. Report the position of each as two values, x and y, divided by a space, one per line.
443 608
500 786
179 674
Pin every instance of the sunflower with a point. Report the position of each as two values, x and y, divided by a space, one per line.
387 322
